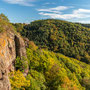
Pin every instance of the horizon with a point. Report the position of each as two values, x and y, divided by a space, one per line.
49 19
26 11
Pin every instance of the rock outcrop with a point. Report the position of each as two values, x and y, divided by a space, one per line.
11 46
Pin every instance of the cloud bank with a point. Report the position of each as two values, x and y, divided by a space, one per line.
59 13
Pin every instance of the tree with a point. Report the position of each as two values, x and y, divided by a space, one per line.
4 17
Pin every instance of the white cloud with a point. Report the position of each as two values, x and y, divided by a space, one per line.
21 2
79 11
58 12
54 10
86 21
59 8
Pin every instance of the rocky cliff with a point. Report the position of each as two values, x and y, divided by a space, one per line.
11 46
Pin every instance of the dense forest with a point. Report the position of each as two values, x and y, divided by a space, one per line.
58 55
52 71
64 37
86 25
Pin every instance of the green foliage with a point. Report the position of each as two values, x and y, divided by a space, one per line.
34 84
70 39
86 83
85 25
18 26
54 71
2 16
21 63
4 24
37 81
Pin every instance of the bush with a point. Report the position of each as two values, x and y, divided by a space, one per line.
21 63
18 81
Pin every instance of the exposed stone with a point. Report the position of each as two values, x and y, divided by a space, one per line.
11 46
1 85
20 46
0 74
27 42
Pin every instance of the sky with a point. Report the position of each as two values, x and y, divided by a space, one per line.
26 11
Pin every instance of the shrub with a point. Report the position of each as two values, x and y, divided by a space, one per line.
18 81
21 64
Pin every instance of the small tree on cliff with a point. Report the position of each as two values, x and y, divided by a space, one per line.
2 16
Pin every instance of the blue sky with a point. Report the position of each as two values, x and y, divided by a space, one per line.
25 11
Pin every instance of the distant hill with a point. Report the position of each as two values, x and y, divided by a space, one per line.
84 25
68 38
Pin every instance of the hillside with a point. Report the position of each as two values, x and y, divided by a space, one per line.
52 71
70 39
86 25
38 62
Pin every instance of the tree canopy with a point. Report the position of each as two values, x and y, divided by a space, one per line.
68 38
4 17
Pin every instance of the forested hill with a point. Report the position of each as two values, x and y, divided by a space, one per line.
85 25
68 38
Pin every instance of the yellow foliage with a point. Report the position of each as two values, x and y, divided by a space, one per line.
51 61
18 80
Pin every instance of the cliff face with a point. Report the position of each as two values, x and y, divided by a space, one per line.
11 46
